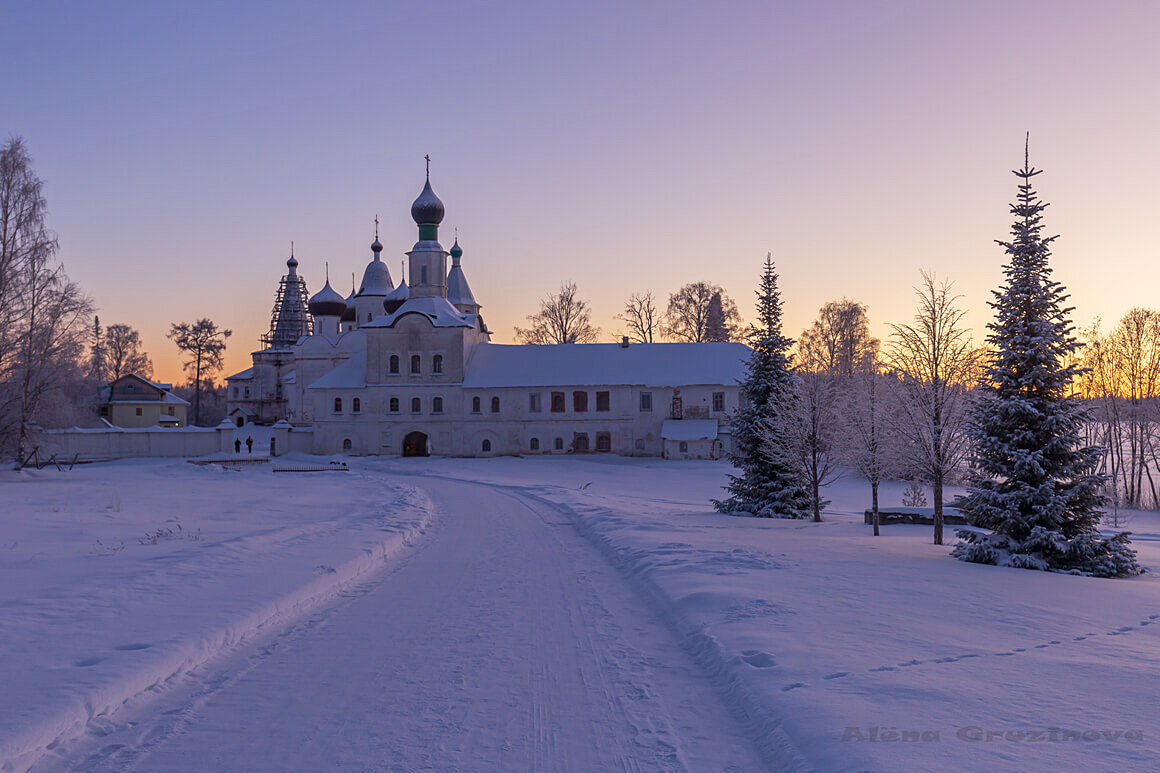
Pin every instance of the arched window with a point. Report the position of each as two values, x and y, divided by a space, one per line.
355 405
394 363
437 363
414 363
603 441
535 444
346 444
422 275
559 444
416 405
495 405
475 405
338 405
394 405
486 445
437 405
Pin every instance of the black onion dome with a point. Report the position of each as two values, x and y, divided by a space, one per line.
427 209
327 303
376 245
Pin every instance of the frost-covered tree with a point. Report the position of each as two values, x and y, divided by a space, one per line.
839 339
1034 483
936 366
717 327
864 440
806 440
766 487
563 318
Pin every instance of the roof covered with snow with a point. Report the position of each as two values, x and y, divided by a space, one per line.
242 375
438 311
352 374
689 429
659 365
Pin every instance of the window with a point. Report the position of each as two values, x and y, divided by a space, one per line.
394 363
534 444
416 405
355 405
495 405
684 446
247 393
603 441
138 411
437 363
646 401
171 411
602 401
346 444
437 405
394 405
369 316
475 405
486 446
580 442
278 391
718 401
579 402
559 444
534 402
422 275
338 405
557 402
235 393
640 444
414 363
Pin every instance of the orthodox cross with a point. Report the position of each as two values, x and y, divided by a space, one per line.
376 226
428 157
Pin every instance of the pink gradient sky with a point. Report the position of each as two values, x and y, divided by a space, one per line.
624 146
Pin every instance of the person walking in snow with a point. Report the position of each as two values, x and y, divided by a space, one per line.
237 445
250 444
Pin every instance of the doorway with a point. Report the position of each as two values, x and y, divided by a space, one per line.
416 444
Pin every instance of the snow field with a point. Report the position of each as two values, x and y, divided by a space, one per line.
105 599
833 646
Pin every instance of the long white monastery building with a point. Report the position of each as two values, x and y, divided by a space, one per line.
411 370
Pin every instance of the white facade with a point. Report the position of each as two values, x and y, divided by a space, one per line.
422 377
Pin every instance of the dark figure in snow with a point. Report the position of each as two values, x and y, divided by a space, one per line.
250 445
237 445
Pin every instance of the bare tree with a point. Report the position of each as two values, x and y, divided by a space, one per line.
123 353
688 315
43 314
936 365
204 344
865 422
805 440
562 319
641 318
839 338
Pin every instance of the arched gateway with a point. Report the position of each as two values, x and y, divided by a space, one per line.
416 444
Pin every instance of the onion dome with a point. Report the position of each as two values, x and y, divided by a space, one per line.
456 250
292 264
427 209
327 303
376 245
458 291
397 297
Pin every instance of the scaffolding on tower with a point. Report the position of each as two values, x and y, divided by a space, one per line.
290 319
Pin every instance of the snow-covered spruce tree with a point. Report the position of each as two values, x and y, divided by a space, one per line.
767 487
1033 483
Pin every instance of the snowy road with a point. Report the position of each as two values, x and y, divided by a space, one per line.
503 641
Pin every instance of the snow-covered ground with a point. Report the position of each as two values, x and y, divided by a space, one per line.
551 613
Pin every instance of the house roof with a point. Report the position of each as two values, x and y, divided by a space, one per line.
351 374
244 375
438 311
689 429
657 365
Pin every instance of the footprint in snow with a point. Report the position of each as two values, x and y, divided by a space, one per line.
87 662
131 647
883 668
838 675
793 686
758 659
323 569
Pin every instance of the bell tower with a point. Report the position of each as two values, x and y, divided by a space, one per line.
428 259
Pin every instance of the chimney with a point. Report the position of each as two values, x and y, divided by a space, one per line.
624 342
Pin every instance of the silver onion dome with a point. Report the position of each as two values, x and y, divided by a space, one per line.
427 209
327 303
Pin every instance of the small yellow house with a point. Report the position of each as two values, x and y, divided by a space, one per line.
132 401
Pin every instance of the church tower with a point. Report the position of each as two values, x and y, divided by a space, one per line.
428 260
290 319
375 287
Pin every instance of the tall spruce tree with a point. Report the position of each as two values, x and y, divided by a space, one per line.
767 487
1034 484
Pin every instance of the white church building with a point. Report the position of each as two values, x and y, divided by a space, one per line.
410 370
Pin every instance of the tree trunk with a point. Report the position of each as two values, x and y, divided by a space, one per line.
938 510
874 504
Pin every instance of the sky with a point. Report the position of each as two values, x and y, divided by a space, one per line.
625 146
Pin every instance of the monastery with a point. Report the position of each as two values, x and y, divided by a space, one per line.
410 370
